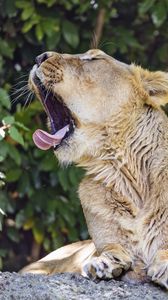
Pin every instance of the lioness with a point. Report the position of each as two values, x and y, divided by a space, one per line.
107 117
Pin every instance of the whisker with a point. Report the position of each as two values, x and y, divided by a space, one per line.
25 87
18 84
30 99
48 91
19 96
19 92
27 102
23 75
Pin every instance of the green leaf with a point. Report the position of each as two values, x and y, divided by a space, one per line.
1 62
162 53
14 154
5 49
24 186
49 3
27 13
70 34
47 244
1 262
15 135
13 234
4 99
63 179
8 120
20 125
159 14
73 176
20 219
23 4
39 32
3 252
38 234
1 157
29 24
13 175
48 163
28 224
1 219
52 41
50 26
144 6
4 149
10 8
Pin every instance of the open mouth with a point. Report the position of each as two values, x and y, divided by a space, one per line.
61 122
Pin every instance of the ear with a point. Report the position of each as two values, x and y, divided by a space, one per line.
156 86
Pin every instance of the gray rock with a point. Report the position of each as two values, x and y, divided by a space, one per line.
14 286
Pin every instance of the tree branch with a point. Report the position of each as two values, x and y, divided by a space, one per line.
98 28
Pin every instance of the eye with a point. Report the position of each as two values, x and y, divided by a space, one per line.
95 58
87 58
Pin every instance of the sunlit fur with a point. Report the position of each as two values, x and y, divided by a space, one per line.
121 139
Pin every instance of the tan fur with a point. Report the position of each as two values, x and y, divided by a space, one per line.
121 139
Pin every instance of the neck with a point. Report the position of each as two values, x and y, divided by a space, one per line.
126 160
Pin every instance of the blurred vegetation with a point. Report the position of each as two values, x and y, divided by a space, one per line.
39 209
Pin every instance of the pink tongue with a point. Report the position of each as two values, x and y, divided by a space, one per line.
45 140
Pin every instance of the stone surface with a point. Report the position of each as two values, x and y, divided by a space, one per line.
73 286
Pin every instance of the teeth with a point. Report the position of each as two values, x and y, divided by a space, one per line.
73 124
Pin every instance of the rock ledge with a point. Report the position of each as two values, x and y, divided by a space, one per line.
72 286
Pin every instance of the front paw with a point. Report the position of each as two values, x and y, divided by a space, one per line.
158 271
110 264
101 267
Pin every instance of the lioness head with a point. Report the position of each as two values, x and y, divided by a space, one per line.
83 93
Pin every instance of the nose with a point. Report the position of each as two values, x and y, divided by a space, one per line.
40 58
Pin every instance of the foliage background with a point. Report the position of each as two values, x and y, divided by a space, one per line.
39 209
